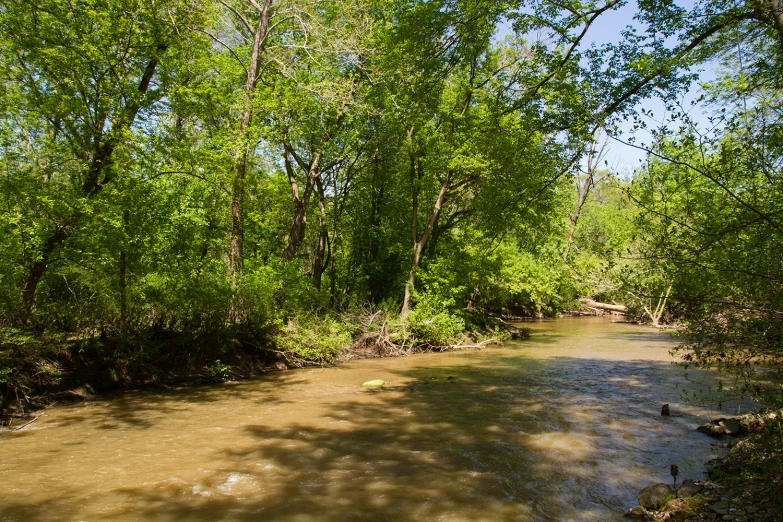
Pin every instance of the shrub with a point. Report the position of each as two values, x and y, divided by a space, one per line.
433 321
312 339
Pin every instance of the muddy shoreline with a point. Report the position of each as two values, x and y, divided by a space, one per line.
84 375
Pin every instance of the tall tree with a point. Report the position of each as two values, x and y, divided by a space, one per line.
586 181
260 33
86 72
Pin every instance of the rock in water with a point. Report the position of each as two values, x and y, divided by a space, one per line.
377 383
713 430
636 512
653 496
681 509
688 488
720 427
730 426
665 410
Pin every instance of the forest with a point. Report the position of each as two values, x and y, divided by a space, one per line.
187 186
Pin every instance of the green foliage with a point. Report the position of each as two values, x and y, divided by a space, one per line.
435 322
384 146
535 281
219 370
607 224
462 269
308 338
754 463
711 227
5 373
259 294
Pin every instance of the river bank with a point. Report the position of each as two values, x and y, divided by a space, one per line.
40 370
747 478
743 483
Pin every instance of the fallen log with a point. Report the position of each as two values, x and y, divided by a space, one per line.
605 306
23 426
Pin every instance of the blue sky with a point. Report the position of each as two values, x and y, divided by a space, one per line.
607 28
623 159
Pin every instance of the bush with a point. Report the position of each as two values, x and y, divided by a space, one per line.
312 339
434 322
258 297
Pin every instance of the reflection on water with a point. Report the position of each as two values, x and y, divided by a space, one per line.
564 426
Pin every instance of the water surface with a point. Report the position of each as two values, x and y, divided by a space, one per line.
563 426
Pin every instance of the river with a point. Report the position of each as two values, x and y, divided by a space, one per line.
563 426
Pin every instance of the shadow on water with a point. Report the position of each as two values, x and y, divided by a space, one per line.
510 438
145 409
653 335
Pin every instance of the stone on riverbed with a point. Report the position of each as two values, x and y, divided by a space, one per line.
653 496
688 488
721 507
681 509
721 427
713 430
636 512
730 426
376 383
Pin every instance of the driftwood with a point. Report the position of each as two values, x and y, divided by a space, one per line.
449 347
23 426
605 306
656 315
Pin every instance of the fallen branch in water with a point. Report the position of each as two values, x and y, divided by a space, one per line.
25 424
479 346
449 347
589 303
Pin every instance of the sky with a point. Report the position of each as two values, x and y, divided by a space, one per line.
624 159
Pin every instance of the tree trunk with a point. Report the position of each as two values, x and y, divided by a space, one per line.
333 270
655 316
605 306
415 176
96 177
776 14
594 157
236 254
574 221
124 276
321 255
299 226
123 295
376 202
38 270
420 244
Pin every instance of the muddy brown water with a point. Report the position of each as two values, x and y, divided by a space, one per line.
563 426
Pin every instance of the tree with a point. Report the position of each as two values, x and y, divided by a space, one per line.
259 29
586 182
83 75
708 196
